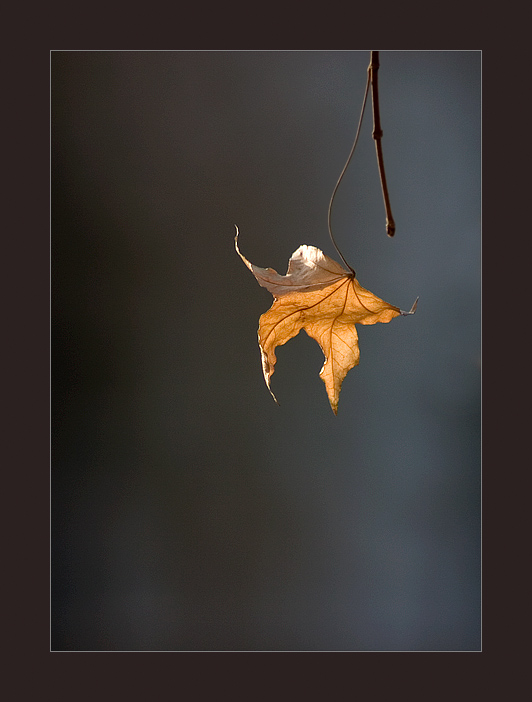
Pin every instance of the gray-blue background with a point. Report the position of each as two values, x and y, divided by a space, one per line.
189 512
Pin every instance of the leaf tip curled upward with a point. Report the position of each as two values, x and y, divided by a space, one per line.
246 262
412 309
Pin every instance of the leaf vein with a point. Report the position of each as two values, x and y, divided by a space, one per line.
309 307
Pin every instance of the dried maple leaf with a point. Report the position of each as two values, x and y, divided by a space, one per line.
320 296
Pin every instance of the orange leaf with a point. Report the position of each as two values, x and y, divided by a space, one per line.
320 296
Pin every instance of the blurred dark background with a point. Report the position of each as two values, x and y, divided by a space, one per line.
189 512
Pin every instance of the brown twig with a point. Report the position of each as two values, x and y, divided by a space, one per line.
377 135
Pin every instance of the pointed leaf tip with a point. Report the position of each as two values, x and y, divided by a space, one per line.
412 309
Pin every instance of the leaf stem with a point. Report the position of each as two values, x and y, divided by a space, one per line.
342 175
373 69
